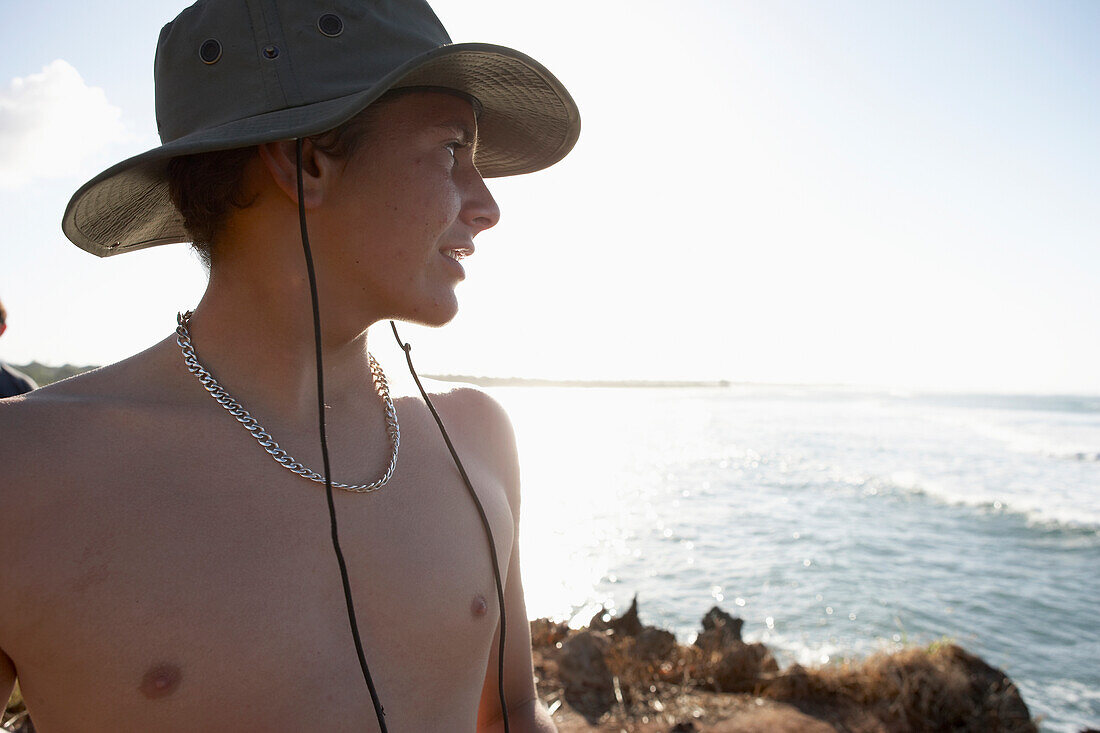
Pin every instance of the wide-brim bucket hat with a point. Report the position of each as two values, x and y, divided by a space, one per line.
235 73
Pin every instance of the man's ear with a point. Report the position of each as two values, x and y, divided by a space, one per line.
280 159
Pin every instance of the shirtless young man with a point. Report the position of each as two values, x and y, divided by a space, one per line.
158 570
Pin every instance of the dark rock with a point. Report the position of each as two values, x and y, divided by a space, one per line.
792 684
584 675
626 625
720 630
741 665
653 644
600 621
717 619
546 633
998 696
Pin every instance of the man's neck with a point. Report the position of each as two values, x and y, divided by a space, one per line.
259 343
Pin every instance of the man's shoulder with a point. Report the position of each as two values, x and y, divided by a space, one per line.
473 410
30 418
40 433
468 403
38 428
478 421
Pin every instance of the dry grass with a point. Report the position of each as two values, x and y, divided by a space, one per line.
941 687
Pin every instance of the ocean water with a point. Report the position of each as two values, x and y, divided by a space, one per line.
835 522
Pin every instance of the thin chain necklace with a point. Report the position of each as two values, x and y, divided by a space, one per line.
223 398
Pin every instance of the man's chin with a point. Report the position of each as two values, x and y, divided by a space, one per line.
439 314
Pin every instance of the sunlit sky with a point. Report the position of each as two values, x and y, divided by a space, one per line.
893 194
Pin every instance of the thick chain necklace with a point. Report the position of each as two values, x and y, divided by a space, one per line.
223 398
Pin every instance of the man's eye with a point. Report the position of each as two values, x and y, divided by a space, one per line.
454 146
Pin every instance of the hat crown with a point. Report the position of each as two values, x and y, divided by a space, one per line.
270 55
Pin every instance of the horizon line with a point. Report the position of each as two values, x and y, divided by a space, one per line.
670 383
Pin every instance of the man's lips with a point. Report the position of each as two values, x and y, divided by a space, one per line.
454 255
458 253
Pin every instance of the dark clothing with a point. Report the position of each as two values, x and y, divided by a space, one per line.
13 381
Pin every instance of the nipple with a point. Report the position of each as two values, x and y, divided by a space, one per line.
478 606
161 681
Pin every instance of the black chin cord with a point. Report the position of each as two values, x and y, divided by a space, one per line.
378 711
407 348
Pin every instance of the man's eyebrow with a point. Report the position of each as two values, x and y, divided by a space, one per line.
466 135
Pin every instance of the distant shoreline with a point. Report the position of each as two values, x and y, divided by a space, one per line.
44 374
597 383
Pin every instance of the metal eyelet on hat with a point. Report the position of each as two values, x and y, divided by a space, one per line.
271 51
210 51
330 24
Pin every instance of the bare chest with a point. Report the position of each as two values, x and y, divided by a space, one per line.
179 593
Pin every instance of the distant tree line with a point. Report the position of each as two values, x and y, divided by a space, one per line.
48 374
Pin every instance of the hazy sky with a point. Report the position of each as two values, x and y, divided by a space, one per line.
859 192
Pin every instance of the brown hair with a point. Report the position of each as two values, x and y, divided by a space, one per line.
3 314
205 187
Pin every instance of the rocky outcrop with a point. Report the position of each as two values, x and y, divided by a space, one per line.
582 668
719 630
628 624
619 674
734 666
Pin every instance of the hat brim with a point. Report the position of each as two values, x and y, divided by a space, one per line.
527 122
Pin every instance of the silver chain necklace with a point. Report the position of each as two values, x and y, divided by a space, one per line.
223 398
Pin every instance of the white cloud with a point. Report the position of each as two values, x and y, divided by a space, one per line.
51 122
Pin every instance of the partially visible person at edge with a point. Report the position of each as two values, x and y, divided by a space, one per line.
12 381
160 571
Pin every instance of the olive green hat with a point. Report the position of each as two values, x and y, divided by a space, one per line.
235 73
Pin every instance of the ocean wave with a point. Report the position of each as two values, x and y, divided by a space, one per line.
1079 404
1036 511
1075 440
1067 699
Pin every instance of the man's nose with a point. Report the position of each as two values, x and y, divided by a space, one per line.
480 209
